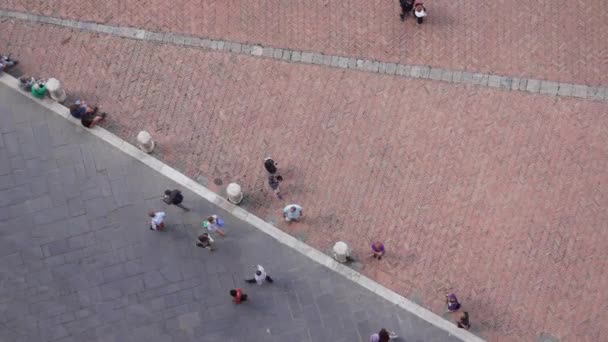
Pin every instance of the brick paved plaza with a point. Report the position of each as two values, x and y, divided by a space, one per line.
492 193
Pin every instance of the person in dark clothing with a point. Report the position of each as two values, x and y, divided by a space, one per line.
238 296
274 182
174 197
79 108
406 7
205 241
463 321
270 166
90 119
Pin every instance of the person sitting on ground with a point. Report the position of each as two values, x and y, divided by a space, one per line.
7 63
378 250
238 295
39 89
292 212
79 107
382 336
419 12
90 119
205 241
463 321
452 302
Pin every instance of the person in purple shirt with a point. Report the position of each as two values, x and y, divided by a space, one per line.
378 249
452 302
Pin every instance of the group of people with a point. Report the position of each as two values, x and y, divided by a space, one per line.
415 7
87 115
214 224
292 212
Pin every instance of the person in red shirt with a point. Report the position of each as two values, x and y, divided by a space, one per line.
238 295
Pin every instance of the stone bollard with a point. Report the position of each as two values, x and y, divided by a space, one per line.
235 195
341 252
53 86
145 142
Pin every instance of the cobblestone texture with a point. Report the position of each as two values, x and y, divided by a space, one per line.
78 263
548 39
496 195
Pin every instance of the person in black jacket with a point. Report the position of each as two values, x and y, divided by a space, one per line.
270 165
174 197
406 7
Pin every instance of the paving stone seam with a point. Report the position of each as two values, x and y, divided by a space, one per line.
502 82
253 220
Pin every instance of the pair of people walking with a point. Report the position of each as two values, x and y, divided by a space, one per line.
416 7
259 277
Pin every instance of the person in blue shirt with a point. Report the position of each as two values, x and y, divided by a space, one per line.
292 212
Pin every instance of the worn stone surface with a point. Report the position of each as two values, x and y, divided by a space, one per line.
467 185
457 35
101 275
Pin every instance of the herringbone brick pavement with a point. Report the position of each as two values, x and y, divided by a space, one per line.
560 40
496 195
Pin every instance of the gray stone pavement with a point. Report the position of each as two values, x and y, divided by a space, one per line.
78 262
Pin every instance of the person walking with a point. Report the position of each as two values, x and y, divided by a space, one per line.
259 276
158 220
205 241
452 302
406 7
270 165
214 224
292 212
382 336
378 250
174 197
274 181
419 12
238 295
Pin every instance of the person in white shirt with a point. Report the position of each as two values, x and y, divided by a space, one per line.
259 276
419 12
158 220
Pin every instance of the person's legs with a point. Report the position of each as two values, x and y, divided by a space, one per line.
221 232
277 192
97 119
268 279
250 281
419 20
